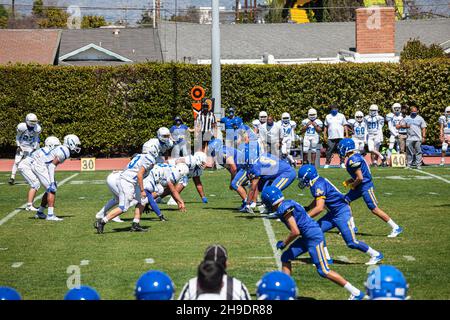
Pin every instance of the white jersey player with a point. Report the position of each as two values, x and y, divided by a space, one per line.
269 135
159 146
257 123
375 124
444 122
311 128
359 129
131 177
43 164
393 119
287 136
27 141
112 182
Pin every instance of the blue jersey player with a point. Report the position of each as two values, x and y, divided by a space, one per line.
339 214
312 238
268 170
361 184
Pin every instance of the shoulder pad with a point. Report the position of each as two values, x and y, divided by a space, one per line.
38 128
21 127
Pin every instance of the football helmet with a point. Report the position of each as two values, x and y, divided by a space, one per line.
396 108
286 118
82 293
154 285
373 110
306 175
183 169
271 196
52 142
312 114
345 146
386 282
263 117
447 111
72 142
359 116
31 120
163 135
7 293
276 285
151 148
200 159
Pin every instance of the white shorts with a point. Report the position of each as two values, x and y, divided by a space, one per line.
310 143
113 185
28 174
127 191
373 143
359 144
41 171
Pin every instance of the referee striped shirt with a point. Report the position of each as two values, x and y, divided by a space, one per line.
206 121
232 289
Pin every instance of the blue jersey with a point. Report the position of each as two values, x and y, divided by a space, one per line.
323 189
269 167
308 227
355 162
228 122
179 132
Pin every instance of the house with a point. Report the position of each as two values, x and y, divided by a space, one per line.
29 46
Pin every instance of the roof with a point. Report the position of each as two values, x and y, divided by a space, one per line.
134 44
284 41
29 46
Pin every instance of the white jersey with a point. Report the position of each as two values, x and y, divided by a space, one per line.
445 120
46 155
256 124
359 129
392 121
311 130
374 125
287 130
130 172
269 134
26 139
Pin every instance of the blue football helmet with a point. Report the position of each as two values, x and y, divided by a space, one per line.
276 285
271 196
214 147
345 146
154 285
82 293
306 174
7 293
386 282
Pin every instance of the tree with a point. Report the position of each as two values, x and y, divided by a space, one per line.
414 49
93 22
38 8
3 17
146 19
53 17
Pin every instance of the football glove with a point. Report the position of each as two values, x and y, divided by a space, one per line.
280 245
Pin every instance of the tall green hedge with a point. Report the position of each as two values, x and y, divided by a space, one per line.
114 110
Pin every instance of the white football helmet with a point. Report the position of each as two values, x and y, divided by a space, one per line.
373 110
256 123
31 120
52 142
286 118
447 111
151 148
157 173
183 169
263 117
359 116
200 159
312 114
396 107
72 142
163 135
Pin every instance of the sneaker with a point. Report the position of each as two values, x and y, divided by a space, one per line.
442 162
263 209
99 225
53 218
375 260
31 208
253 205
361 296
342 166
419 168
246 209
11 181
117 219
136 227
40 215
172 202
326 166
163 218
395 232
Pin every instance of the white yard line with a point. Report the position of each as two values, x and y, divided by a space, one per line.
272 241
432 175
409 258
13 213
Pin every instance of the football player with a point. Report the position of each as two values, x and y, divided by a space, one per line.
311 127
112 182
160 146
27 141
375 124
444 122
276 285
257 123
311 238
44 163
359 129
269 135
339 215
287 136
25 168
361 184
267 170
131 177
393 119
386 283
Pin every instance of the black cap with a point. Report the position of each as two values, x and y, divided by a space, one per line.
216 253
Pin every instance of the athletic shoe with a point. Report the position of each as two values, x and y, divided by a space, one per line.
263 209
117 219
99 225
326 166
172 202
162 218
11 181
375 260
342 166
31 208
53 218
135 227
361 296
419 168
246 209
253 205
395 232
442 162
40 215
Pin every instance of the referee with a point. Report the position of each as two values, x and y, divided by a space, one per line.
232 288
205 126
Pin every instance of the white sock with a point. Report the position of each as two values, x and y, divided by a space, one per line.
392 224
327 255
136 220
50 211
371 252
354 291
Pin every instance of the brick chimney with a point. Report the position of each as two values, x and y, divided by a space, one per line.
375 30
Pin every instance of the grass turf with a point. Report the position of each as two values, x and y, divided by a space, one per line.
418 202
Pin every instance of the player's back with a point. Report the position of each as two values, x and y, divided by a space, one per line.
374 124
355 162
308 227
139 161
46 155
268 166
334 199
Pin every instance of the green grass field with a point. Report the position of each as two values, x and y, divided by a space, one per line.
420 203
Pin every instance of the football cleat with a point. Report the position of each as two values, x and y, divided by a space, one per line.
172 202
11 181
263 209
442 162
136 227
163 218
342 165
40 215
361 296
395 232
247 209
117 219
31 208
375 260
53 218
99 225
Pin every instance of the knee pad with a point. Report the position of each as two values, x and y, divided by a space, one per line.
36 185
352 245
444 147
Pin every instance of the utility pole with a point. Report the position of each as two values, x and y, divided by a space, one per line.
215 59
